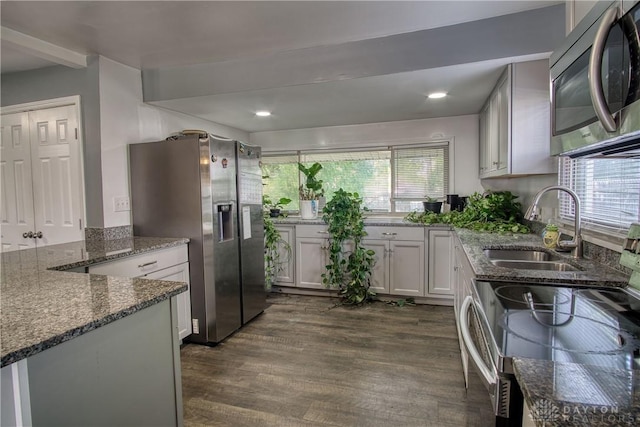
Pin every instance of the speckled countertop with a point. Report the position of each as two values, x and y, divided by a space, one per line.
369 221
589 273
42 307
572 394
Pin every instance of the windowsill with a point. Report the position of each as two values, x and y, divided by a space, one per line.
610 239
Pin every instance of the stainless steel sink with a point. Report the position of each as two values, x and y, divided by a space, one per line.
520 255
534 265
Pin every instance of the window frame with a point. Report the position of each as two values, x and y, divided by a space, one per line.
448 142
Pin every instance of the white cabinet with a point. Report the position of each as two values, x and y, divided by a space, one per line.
311 261
406 268
178 273
514 130
164 264
462 281
400 254
440 263
285 270
311 255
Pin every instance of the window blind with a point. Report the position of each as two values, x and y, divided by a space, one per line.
609 190
420 172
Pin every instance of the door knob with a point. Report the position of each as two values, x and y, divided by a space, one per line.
27 235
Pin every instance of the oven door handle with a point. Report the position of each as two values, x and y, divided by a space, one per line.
595 71
489 374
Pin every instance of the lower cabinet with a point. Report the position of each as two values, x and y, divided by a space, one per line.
178 273
311 261
440 263
163 264
399 267
285 274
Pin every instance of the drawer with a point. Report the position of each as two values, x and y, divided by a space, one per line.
395 233
319 231
139 265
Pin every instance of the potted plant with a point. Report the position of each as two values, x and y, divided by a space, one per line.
350 263
432 204
310 191
274 208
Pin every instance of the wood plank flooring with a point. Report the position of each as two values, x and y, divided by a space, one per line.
307 362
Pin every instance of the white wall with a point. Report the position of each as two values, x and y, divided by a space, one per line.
463 130
124 120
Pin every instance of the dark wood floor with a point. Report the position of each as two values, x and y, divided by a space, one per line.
305 362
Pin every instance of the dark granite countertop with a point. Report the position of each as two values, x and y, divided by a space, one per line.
573 394
42 307
590 273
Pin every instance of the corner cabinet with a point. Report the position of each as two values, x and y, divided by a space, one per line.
163 264
514 128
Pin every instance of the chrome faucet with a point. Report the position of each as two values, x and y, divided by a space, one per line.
576 243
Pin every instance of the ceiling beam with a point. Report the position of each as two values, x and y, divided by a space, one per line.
42 49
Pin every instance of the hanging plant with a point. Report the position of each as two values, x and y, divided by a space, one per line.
348 270
273 247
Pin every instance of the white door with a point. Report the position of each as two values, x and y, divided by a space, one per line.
406 268
57 181
42 183
178 273
311 261
16 192
440 256
380 273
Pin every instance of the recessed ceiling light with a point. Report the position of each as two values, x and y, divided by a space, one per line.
263 113
437 95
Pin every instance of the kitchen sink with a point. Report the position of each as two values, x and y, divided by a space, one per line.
534 265
520 255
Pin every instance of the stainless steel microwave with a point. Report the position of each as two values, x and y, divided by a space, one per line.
595 84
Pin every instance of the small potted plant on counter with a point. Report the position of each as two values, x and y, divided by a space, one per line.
274 208
432 204
310 191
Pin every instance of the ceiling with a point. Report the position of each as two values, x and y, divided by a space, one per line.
313 63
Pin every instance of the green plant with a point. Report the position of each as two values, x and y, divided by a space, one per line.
281 203
430 199
273 247
349 271
496 212
312 189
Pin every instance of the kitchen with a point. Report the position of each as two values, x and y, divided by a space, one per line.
114 114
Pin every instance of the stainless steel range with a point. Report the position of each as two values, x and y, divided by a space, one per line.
502 320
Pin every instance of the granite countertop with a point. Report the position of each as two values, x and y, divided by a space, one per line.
370 221
42 307
590 272
571 394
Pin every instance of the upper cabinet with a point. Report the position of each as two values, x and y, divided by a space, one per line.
515 123
575 10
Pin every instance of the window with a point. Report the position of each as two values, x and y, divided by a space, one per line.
609 190
392 179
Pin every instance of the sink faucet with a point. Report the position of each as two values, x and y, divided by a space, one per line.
576 243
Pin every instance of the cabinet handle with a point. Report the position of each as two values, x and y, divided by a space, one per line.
495 163
389 234
147 264
28 235
38 235
322 232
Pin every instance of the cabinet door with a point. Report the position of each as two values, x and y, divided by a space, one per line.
380 274
285 271
406 268
484 140
178 273
493 133
504 120
440 262
311 261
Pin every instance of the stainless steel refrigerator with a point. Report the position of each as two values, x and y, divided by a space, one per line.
208 189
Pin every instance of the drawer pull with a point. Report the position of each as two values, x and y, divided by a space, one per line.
322 232
147 264
389 234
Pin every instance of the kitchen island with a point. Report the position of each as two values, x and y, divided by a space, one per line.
87 349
